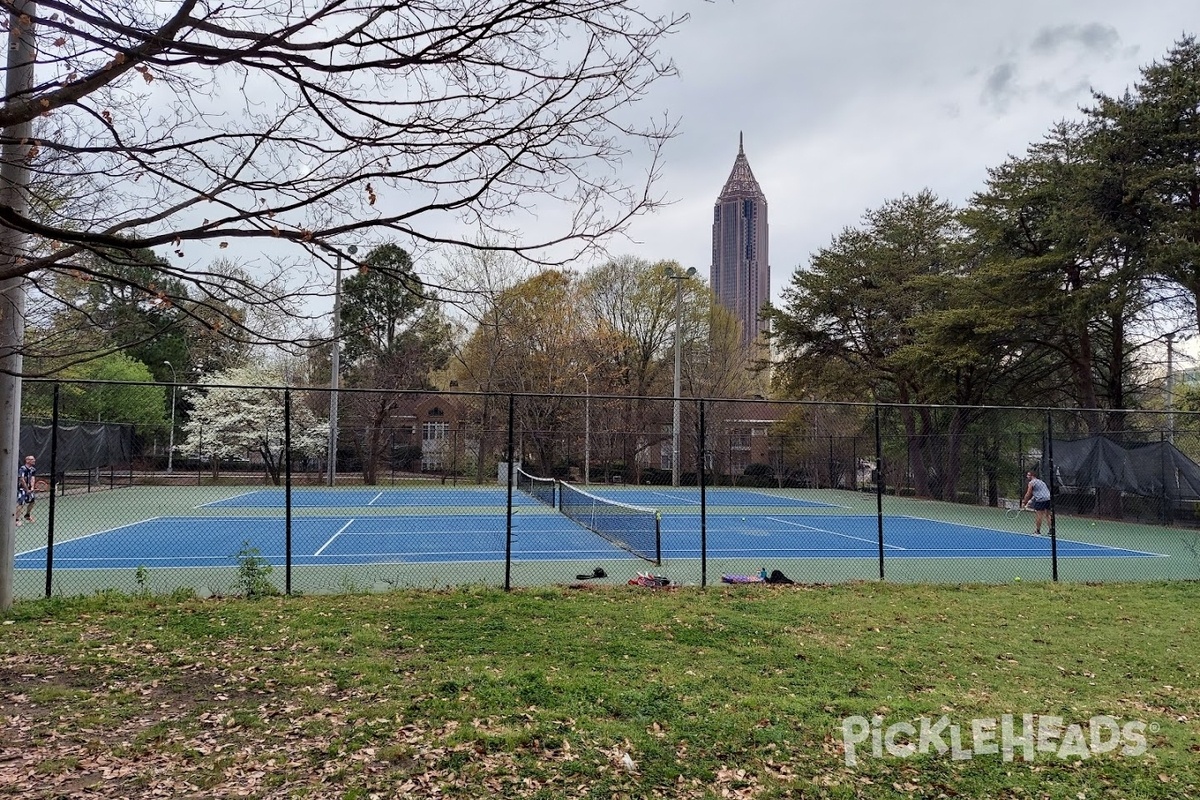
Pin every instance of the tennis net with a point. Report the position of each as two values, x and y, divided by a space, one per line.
632 528
540 489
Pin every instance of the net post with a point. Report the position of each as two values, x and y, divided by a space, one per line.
657 539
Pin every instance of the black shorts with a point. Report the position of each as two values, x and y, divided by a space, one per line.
1039 505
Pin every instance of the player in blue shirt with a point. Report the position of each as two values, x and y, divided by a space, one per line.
25 494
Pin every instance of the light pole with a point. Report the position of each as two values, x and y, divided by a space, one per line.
1170 388
335 366
679 278
587 429
171 436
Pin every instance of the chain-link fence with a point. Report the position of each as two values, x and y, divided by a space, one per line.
438 489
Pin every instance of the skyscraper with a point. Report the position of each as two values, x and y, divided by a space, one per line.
741 272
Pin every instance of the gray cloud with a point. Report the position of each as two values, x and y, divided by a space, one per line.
1000 86
847 105
1095 38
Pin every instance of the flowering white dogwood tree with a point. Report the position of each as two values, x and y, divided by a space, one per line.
233 418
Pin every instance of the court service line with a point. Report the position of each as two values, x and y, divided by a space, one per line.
371 502
678 498
798 500
227 499
329 541
836 533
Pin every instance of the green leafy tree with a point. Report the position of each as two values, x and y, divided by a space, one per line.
1153 133
849 320
1062 273
127 300
123 300
142 406
394 336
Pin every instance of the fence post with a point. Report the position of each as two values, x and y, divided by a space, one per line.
1050 478
508 469
703 451
287 490
53 474
879 481
832 479
1165 516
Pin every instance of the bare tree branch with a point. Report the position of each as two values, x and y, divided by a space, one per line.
304 120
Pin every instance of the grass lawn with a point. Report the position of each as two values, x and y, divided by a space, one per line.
743 691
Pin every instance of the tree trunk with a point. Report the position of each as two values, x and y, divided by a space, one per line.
14 187
482 439
916 457
271 462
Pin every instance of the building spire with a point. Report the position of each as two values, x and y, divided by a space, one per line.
741 179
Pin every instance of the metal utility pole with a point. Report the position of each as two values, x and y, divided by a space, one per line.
171 437
336 366
587 429
679 278
1170 399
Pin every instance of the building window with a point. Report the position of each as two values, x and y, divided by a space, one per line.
434 436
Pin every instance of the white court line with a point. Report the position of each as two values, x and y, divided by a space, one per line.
1099 546
823 530
1045 537
226 499
329 541
371 502
104 561
799 501
780 499
59 542
679 500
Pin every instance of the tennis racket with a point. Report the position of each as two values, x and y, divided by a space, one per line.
1012 512
41 486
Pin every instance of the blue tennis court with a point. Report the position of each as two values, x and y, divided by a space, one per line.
174 541
374 498
652 496
351 540
813 536
655 496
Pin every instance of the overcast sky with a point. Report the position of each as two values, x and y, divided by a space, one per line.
845 104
